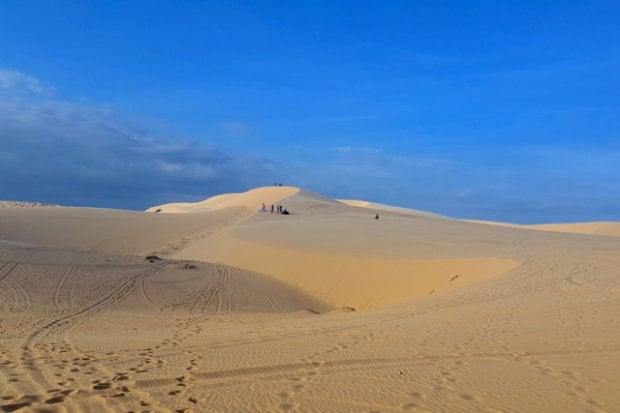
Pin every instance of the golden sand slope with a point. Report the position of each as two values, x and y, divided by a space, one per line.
251 199
452 316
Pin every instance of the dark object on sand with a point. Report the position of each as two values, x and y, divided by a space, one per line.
189 267
377 216
153 258
285 212
455 277
158 210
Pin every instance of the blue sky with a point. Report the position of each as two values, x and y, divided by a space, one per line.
491 110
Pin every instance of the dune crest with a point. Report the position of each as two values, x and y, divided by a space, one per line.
250 199
387 208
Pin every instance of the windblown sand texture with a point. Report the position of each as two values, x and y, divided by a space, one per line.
218 307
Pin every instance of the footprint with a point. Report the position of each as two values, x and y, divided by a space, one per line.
102 386
467 396
286 407
55 399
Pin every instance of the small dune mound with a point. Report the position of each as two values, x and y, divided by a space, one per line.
611 229
606 228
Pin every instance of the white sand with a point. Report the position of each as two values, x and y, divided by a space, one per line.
450 315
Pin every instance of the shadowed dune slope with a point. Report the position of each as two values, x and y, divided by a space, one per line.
144 286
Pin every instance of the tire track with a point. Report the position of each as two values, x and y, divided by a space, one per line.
216 294
111 298
154 286
282 369
10 265
209 293
56 293
11 308
219 294
25 297
201 294
5 271
144 294
63 325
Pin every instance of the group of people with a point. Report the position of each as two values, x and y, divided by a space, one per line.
278 184
278 209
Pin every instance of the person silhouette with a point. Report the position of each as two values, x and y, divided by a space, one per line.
377 216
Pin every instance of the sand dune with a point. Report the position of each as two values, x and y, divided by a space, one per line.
248 311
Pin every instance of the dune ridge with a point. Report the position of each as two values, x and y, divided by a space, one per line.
251 199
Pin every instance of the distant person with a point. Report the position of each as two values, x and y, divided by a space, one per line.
272 208
377 216
264 208
285 212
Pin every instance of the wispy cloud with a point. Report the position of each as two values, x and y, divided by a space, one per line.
348 118
353 149
236 128
17 82
65 152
